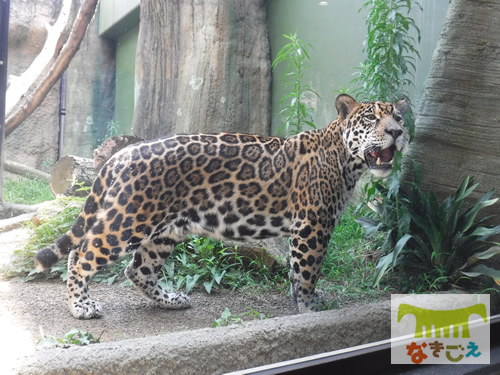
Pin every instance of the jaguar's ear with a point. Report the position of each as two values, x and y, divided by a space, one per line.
345 104
402 106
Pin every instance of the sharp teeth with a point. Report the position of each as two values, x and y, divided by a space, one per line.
391 161
379 162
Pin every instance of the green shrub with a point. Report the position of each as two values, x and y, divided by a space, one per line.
227 318
391 54
443 240
296 112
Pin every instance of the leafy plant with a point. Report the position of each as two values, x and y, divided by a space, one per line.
199 260
444 240
391 54
73 337
227 318
295 110
204 261
112 129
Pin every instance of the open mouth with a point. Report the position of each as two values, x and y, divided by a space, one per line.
380 159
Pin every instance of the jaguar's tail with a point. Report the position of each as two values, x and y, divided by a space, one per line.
69 241
51 254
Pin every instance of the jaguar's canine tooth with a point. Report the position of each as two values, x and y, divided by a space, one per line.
379 162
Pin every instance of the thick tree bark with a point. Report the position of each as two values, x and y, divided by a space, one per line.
71 174
32 100
458 130
202 66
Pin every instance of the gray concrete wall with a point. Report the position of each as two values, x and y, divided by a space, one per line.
220 350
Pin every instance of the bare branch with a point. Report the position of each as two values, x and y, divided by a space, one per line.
19 85
33 99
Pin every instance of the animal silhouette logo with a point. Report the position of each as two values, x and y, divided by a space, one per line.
442 319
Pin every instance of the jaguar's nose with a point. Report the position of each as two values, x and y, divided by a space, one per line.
394 132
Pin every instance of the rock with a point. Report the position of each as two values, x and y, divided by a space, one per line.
269 252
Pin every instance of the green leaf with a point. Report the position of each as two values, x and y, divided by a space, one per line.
390 260
468 218
226 314
371 226
219 277
492 251
208 286
481 270
399 247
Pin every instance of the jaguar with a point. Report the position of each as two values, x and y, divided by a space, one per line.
149 196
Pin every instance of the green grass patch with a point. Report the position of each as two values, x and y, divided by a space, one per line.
26 191
349 265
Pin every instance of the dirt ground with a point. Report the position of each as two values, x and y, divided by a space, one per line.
29 308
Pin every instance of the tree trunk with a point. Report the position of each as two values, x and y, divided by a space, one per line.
71 174
458 130
202 66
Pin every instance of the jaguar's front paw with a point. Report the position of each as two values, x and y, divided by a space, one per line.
87 309
175 301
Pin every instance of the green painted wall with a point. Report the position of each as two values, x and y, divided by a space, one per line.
125 69
336 31
334 28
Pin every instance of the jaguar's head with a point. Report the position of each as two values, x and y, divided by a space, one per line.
373 131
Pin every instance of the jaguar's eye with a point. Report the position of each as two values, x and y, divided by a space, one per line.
371 117
398 118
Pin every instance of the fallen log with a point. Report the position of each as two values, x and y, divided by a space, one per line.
72 175
25 171
9 210
111 146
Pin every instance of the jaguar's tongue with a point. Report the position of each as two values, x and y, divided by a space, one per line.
384 155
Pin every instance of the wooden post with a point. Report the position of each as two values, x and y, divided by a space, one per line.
4 39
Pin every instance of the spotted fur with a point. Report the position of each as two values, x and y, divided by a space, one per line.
150 195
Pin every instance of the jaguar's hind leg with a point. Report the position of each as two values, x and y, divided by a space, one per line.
143 273
98 249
